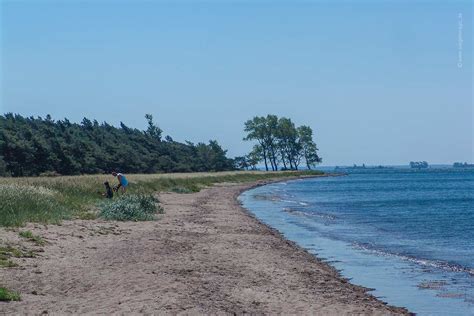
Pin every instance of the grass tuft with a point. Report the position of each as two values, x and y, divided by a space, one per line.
87 215
7 295
9 251
182 190
34 238
7 263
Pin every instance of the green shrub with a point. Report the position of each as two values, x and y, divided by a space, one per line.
138 207
7 295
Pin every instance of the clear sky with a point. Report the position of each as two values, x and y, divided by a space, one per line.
379 82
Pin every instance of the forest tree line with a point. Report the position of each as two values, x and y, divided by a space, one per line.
35 146
280 145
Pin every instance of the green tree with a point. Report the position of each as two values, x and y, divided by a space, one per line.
255 156
153 130
31 146
308 146
240 162
288 144
3 167
264 131
280 141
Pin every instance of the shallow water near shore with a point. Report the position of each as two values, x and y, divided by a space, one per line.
408 234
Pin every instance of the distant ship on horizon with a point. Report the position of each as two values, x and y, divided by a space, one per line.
463 165
362 167
419 164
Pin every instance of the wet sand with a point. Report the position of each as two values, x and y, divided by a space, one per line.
205 255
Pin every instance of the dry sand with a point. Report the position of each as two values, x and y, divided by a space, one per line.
205 255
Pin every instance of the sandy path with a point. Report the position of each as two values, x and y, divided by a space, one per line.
204 255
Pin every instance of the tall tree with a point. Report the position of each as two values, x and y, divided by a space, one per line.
153 130
255 129
240 162
271 136
3 167
288 142
309 148
264 130
255 156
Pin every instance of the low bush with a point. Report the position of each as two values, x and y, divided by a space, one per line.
139 207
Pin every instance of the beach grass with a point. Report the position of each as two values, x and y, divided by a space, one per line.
52 199
7 263
7 252
10 251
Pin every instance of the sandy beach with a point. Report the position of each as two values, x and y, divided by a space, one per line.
205 255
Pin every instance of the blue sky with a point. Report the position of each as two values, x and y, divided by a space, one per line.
377 81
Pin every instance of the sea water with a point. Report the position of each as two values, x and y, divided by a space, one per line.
408 234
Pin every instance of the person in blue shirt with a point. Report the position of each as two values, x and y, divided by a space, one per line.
123 182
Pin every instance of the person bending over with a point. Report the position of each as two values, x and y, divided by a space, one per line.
123 182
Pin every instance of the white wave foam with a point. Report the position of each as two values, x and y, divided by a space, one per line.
308 214
438 264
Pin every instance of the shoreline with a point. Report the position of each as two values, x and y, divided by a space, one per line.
206 255
402 310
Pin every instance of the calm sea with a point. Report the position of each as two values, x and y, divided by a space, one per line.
408 234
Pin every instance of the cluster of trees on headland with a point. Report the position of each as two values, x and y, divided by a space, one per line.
33 146
279 144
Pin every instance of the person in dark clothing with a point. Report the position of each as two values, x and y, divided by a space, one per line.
108 190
